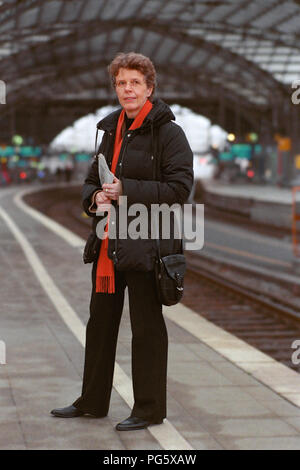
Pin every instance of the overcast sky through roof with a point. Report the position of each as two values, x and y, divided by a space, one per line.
198 129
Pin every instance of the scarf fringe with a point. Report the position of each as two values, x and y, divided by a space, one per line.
105 284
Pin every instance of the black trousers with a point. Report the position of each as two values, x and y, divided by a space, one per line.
149 347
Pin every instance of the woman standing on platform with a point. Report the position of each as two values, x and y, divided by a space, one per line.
133 136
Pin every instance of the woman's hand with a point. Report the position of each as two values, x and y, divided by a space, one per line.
102 201
113 190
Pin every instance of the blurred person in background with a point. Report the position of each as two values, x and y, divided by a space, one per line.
133 135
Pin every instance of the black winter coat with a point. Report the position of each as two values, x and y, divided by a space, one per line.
142 182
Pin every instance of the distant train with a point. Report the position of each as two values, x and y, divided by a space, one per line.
26 164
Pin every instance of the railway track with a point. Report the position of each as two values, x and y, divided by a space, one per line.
265 321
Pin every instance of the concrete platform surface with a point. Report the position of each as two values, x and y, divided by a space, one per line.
267 205
222 393
259 192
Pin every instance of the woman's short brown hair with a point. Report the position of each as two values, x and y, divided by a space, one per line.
134 61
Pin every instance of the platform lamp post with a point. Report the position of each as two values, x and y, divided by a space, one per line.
267 143
295 124
237 123
255 158
277 136
284 147
221 109
295 232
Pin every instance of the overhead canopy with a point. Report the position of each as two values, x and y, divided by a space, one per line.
233 61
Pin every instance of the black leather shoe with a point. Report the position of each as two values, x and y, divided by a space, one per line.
68 412
133 423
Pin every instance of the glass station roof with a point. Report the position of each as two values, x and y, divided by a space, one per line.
248 51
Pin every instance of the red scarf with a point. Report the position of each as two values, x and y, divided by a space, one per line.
105 276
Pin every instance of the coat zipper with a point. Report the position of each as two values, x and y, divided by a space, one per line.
115 259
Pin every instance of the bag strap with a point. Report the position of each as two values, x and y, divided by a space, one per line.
157 177
96 138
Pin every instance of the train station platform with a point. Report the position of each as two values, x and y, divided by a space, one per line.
222 393
269 205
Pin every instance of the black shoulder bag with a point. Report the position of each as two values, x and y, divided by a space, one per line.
169 274
170 269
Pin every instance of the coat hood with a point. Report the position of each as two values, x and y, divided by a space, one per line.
159 115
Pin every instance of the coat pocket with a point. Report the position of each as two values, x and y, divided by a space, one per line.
136 255
91 249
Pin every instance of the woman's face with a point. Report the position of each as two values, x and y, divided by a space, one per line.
132 91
